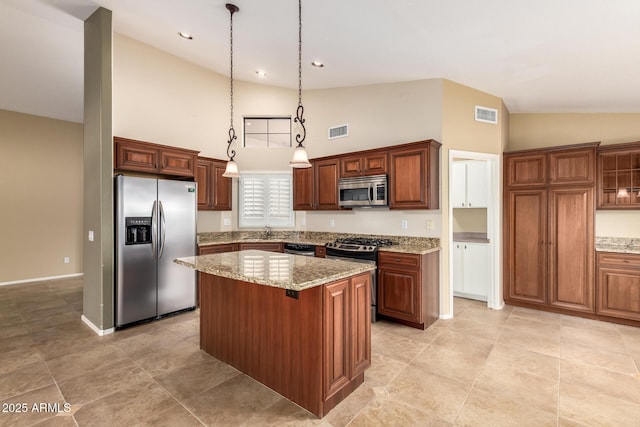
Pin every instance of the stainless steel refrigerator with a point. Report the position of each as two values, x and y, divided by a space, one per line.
155 221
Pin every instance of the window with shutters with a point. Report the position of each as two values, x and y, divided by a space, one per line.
265 199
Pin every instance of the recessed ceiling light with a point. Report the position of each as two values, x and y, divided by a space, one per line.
185 35
261 73
317 64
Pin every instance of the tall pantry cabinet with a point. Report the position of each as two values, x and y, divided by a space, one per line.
549 227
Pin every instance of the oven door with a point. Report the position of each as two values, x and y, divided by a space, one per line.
374 283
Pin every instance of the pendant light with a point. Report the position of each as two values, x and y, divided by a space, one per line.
231 170
300 158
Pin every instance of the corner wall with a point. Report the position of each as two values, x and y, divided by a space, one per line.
41 188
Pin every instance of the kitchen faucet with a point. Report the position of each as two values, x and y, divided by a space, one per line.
267 231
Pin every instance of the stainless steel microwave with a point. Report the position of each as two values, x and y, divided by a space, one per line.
365 191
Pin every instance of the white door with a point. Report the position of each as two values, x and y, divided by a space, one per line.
477 184
476 270
459 185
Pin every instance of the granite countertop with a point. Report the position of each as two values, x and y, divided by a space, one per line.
279 270
618 244
401 244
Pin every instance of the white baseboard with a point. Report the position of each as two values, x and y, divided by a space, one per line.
446 316
41 279
95 329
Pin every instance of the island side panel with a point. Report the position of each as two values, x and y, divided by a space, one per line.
274 339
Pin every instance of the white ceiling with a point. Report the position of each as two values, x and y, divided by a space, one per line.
539 56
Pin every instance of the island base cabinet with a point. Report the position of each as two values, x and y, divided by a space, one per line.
312 348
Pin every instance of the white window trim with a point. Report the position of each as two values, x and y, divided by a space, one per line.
244 221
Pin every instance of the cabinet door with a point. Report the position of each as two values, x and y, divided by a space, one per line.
459 185
337 305
526 170
476 184
408 181
571 248
458 278
399 294
475 270
619 290
303 189
326 184
221 198
572 167
619 179
203 179
375 164
525 249
177 162
360 323
137 157
351 166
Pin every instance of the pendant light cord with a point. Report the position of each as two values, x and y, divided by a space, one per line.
232 133
300 110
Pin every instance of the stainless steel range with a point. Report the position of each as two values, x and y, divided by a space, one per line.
360 249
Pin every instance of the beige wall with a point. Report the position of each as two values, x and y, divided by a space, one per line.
460 131
546 130
41 188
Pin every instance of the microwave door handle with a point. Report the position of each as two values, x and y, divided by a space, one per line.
370 193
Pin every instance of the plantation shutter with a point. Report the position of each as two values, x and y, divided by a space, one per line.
265 199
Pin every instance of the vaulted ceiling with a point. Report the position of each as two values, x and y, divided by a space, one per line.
539 56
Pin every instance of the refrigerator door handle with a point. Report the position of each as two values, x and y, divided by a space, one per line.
154 230
163 229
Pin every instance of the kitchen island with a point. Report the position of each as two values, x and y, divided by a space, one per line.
299 325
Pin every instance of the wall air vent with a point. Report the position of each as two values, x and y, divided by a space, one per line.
486 114
339 131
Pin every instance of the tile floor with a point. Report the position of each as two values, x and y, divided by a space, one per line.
483 368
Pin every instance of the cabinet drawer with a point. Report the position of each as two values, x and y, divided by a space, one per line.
397 259
615 259
217 249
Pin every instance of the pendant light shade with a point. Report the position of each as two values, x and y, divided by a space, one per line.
300 158
231 170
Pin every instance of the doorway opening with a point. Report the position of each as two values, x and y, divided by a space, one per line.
475 234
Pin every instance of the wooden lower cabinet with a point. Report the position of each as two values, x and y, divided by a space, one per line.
618 285
261 246
408 288
217 249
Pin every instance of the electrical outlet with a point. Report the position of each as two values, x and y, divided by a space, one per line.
332 223
226 221
403 224
303 221
66 260
91 235
429 224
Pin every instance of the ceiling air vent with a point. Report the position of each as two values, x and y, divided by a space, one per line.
339 131
486 115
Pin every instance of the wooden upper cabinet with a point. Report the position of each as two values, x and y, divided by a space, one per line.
363 164
146 157
326 184
572 167
526 170
303 189
214 190
619 176
414 173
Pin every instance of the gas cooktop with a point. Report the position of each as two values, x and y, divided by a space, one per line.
358 244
